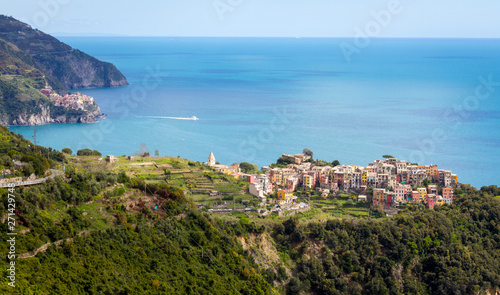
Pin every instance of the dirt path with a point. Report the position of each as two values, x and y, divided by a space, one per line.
44 247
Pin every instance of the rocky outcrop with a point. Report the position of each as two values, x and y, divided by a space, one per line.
42 120
46 117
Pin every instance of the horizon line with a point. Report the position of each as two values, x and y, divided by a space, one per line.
276 37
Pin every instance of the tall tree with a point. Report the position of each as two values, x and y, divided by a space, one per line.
308 152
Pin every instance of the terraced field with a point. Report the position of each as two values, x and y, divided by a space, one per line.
196 179
342 207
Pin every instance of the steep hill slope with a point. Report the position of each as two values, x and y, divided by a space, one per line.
61 64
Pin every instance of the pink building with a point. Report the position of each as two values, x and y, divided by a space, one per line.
399 191
415 197
291 184
248 178
448 195
431 201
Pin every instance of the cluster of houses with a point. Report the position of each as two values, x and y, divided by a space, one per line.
392 181
76 101
429 196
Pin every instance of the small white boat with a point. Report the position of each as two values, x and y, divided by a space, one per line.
192 118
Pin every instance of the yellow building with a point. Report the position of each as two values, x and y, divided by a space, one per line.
422 191
284 197
307 181
332 174
364 177
227 171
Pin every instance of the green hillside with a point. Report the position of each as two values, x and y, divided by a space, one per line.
63 66
102 229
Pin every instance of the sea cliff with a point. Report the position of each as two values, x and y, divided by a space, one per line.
46 116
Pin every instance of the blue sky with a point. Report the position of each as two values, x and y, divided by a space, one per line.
266 18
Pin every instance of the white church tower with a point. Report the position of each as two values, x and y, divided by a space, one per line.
211 159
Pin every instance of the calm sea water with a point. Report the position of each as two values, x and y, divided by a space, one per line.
258 98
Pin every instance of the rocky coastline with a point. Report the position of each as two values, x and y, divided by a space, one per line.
45 117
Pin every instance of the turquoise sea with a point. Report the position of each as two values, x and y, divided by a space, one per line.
256 98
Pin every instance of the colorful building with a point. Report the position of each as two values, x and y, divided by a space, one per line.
307 181
430 201
422 191
284 197
399 192
447 193
276 176
291 183
432 189
378 197
415 197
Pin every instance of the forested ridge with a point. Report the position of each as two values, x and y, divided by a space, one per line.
106 248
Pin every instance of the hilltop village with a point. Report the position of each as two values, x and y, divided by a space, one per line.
384 183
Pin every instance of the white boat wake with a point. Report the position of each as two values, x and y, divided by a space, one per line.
192 118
